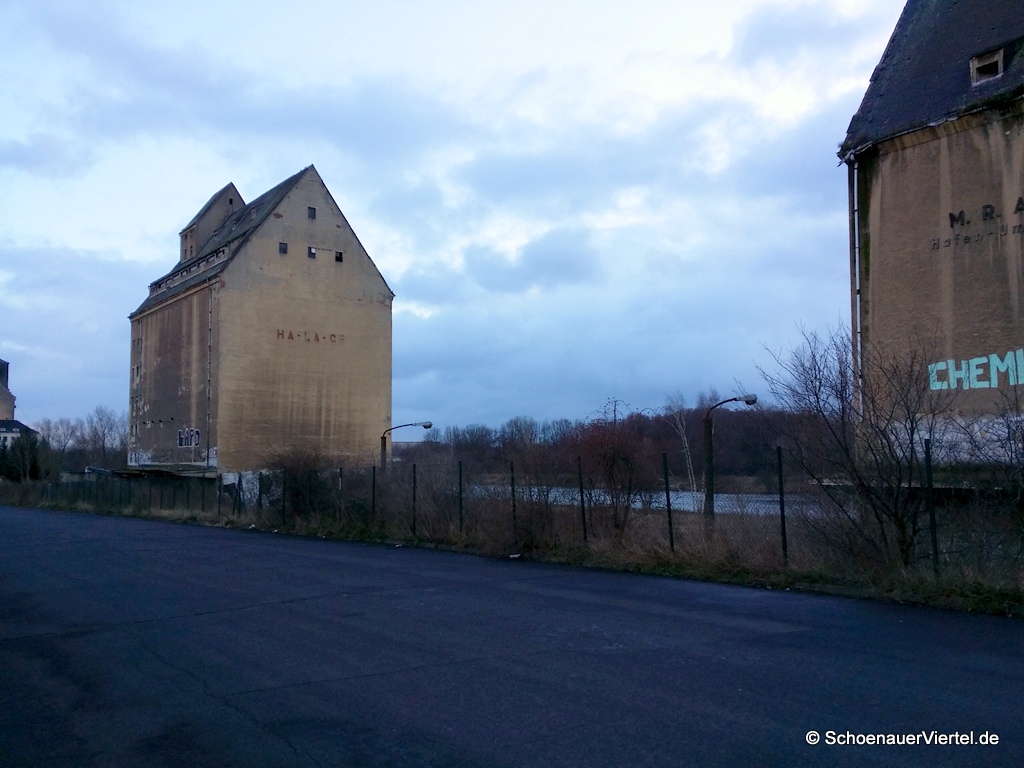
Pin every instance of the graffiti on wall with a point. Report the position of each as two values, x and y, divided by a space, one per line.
985 372
189 438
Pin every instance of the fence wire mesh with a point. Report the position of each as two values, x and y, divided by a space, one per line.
763 525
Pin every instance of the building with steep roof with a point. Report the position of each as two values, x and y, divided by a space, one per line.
271 334
6 398
936 177
10 428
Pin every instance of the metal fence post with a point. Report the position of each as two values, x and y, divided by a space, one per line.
414 500
583 505
668 503
220 487
782 508
931 504
460 495
512 480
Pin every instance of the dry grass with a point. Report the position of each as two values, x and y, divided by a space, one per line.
981 568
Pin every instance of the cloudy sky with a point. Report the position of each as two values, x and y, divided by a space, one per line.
573 200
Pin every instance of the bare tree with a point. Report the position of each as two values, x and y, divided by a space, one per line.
675 414
60 436
620 456
861 441
104 436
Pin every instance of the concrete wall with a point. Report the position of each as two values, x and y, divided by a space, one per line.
942 238
6 398
172 379
6 404
305 348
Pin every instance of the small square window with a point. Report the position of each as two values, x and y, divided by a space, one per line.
987 66
311 252
311 212
338 256
282 248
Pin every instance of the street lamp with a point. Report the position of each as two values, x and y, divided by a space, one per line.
709 459
384 438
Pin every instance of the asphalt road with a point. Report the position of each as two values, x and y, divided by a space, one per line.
135 643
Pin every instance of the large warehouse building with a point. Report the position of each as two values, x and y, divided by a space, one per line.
272 334
936 168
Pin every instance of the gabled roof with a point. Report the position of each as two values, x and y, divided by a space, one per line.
924 76
229 187
7 426
181 287
237 227
231 234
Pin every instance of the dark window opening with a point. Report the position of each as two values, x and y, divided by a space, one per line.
986 67
311 252
311 212
337 256
282 248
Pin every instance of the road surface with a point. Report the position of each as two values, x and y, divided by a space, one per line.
128 642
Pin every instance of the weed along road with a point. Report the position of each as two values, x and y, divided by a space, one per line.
126 642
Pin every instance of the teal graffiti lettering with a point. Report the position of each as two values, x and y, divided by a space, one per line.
957 374
978 378
933 376
1007 365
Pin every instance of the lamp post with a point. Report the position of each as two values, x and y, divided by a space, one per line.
384 438
709 448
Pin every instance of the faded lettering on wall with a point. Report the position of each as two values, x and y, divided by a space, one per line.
314 336
990 226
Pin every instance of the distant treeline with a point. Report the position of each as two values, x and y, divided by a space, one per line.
618 440
67 445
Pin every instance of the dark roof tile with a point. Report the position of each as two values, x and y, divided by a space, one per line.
232 234
924 76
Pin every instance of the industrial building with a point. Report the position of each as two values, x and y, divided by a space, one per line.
270 335
936 177
10 428
6 398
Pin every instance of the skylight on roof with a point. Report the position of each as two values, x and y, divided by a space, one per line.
987 66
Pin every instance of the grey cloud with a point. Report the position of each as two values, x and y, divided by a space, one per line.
799 164
559 257
70 310
783 33
125 88
45 154
576 170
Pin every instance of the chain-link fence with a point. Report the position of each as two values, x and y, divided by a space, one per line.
762 524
